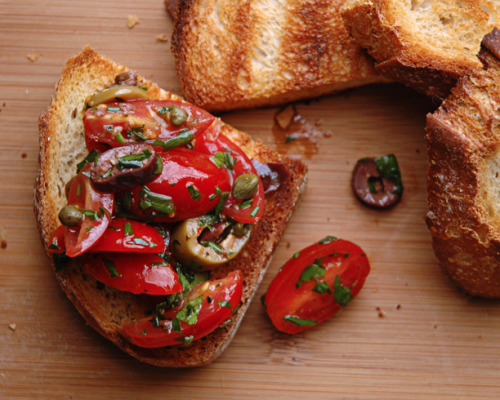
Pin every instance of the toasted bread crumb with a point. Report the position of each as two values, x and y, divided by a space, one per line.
162 38
12 326
132 21
3 239
381 313
32 57
24 155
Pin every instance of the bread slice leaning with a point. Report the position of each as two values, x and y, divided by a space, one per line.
463 147
242 54
425 44
62 145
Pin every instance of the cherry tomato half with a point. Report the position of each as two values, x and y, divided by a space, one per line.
97 208
205 308
230 157
134 273
129 236
189 185
315 284
121 123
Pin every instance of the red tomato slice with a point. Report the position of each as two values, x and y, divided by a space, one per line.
134 273
129 236
205 308
97 207
315 284
56 242
232 158
186 188
119 123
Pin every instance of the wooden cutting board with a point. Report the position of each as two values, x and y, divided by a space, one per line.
408 335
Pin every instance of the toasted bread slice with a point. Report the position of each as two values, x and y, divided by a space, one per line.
463 145
241 54
62 145
425 44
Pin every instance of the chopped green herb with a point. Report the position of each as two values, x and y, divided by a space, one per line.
224 303
215 247
120 138
93 156
313 271
54 246
299 321
127 229
158 202
289 139
110 266
144 332
194 193
322 287
186 340
189 313
327 239
176 325
255 211
79 190
159 166
341 294
296 255
133 160
388 167
222 202
225 323
158 314
184 137
142 242
245 204
224 159
137 131
113 109
89 229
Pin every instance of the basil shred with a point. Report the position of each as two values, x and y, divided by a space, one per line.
388 167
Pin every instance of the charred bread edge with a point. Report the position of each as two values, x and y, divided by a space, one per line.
92 72
460 232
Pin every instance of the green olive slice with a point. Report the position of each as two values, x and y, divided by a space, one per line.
189 250
117 93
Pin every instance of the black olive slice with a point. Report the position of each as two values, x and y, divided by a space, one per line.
124 167
376 182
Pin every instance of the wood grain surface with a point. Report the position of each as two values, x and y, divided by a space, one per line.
408 335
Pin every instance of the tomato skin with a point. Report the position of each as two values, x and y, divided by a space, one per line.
82 194
212 143
183 169
135 273
113 123
345 270
211 314
56 242
142 238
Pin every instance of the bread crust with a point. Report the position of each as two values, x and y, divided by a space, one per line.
426 45
104 308
242 54
463 148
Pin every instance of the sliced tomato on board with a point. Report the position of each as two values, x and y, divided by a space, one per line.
138 121
97 208
129 236
316 284
229 156
205 308
134 273
189 186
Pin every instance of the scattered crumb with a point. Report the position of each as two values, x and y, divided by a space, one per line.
285 116
479 337
162 38
24 155
381 314
3 239
4 104
318 122
288 245
12 326
398 307
435 326
132 21
32 57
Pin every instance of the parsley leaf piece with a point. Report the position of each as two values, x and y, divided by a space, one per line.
110 266
341 294
299 321
189 313
313 271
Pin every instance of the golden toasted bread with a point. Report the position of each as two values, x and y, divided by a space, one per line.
241 54
463 142
62 146
425 44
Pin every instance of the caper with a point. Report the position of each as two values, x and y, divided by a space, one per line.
240 230
116 93
177 115
245 186
70 216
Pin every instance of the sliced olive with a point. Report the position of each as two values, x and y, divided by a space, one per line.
124 167
245 186
195 243
70 216
376 182
117 93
